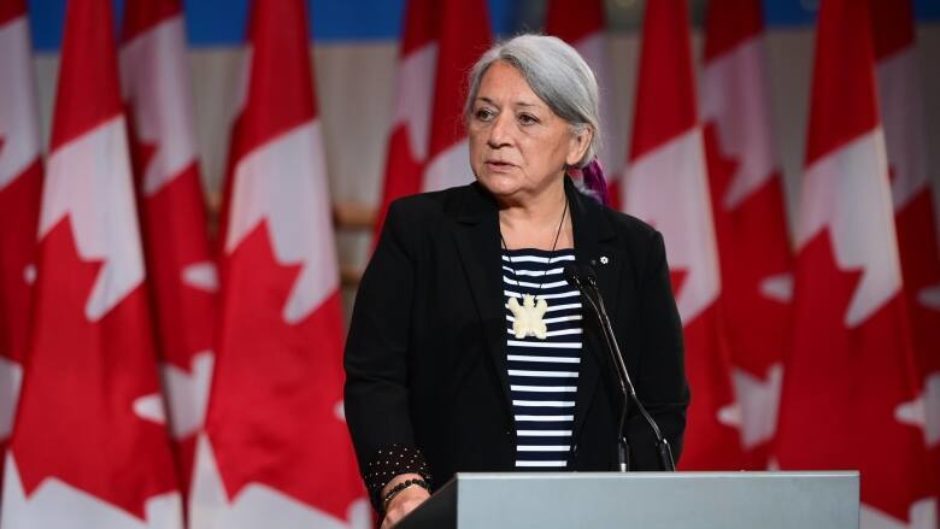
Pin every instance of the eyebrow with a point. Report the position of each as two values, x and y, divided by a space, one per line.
520 104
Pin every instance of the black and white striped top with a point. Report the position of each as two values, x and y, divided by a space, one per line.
543 374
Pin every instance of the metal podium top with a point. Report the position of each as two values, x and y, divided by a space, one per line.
648 500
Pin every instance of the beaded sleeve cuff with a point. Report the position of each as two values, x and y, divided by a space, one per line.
389 462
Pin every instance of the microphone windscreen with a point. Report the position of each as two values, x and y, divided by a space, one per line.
572 275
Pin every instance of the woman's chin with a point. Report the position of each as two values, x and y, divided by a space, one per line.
500 183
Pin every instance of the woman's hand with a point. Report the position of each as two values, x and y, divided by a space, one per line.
404 502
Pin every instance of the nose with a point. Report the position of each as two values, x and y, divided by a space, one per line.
500 133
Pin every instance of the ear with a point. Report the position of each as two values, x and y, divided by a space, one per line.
579 143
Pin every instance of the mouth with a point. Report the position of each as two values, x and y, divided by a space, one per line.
498 164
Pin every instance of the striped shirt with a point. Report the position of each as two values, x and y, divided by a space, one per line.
543 374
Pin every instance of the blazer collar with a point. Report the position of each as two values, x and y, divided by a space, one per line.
478 243
477 237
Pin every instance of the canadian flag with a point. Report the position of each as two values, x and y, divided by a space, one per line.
428 148
902 114
276 451
155 80
849 391
90 446
20 188
582 24
666 185
749 213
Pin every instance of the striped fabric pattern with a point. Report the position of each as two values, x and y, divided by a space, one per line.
543 374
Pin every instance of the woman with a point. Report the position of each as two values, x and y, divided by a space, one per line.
468 351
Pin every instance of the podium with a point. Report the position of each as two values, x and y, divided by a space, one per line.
647 500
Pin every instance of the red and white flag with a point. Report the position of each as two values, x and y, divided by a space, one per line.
182 279
849 392
90 446
902 114
276 451
750 217
20 188
428 148
666 185
582 24
414 92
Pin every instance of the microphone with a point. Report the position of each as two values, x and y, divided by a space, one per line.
581 280
585 280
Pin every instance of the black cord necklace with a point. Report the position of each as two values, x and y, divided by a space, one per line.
528 317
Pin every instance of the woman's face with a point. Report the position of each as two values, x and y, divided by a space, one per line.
518 146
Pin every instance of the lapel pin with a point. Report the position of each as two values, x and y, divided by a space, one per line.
604 259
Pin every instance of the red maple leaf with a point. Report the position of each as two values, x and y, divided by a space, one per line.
274 412
76 419
843 386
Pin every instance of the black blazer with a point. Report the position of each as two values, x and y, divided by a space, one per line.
426 360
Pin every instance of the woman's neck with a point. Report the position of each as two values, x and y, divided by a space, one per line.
534 223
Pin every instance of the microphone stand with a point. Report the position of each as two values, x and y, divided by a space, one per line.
593 295
623 449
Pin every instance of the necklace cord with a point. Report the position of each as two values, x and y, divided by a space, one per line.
564 213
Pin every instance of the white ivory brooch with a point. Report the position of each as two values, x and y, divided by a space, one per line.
527 318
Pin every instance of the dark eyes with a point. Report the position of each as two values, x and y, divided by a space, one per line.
527 119
485 114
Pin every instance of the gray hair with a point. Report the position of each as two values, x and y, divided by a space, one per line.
558 76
